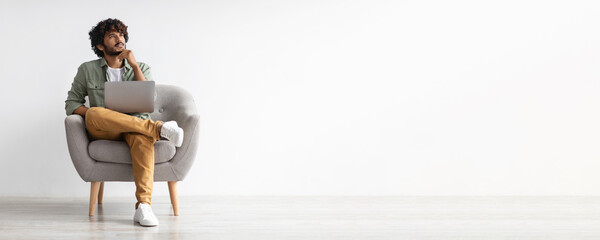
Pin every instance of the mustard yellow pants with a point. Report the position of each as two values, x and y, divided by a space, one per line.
139 134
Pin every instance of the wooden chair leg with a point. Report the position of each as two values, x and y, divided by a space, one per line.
101 193
173 194
95 187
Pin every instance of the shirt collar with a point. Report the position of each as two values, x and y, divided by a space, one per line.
104 64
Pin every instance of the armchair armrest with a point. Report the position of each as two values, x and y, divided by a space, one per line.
77 141
186 154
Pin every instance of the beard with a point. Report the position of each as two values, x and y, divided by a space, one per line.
112 51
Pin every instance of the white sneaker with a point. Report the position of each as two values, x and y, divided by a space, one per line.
174 133
145 216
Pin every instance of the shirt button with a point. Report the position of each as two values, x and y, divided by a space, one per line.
160 110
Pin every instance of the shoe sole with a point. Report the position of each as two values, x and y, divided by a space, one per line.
138 223
181 142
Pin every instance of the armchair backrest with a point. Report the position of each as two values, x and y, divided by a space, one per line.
171 103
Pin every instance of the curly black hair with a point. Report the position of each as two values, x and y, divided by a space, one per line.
97 33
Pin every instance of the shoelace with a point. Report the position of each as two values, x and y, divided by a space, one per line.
146 211
168 132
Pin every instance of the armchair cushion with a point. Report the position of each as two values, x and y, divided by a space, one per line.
118 151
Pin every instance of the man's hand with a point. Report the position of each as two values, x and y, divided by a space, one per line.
137 71
81 110
128 54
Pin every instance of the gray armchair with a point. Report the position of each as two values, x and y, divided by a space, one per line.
103 160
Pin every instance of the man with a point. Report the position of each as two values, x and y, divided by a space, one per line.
117 63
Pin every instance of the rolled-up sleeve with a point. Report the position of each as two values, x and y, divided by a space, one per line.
76 96
148 75
146 71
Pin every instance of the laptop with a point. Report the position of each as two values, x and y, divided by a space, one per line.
129 96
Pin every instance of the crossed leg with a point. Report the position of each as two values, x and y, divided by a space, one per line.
139 134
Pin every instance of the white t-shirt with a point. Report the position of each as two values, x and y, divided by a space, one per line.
115 74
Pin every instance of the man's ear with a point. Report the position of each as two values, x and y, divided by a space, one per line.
100 47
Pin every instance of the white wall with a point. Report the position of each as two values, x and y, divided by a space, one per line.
329 97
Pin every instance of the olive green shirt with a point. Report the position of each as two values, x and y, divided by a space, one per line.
90 80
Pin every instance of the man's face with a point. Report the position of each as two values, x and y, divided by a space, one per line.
114 43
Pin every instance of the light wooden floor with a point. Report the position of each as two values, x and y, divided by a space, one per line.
241 218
